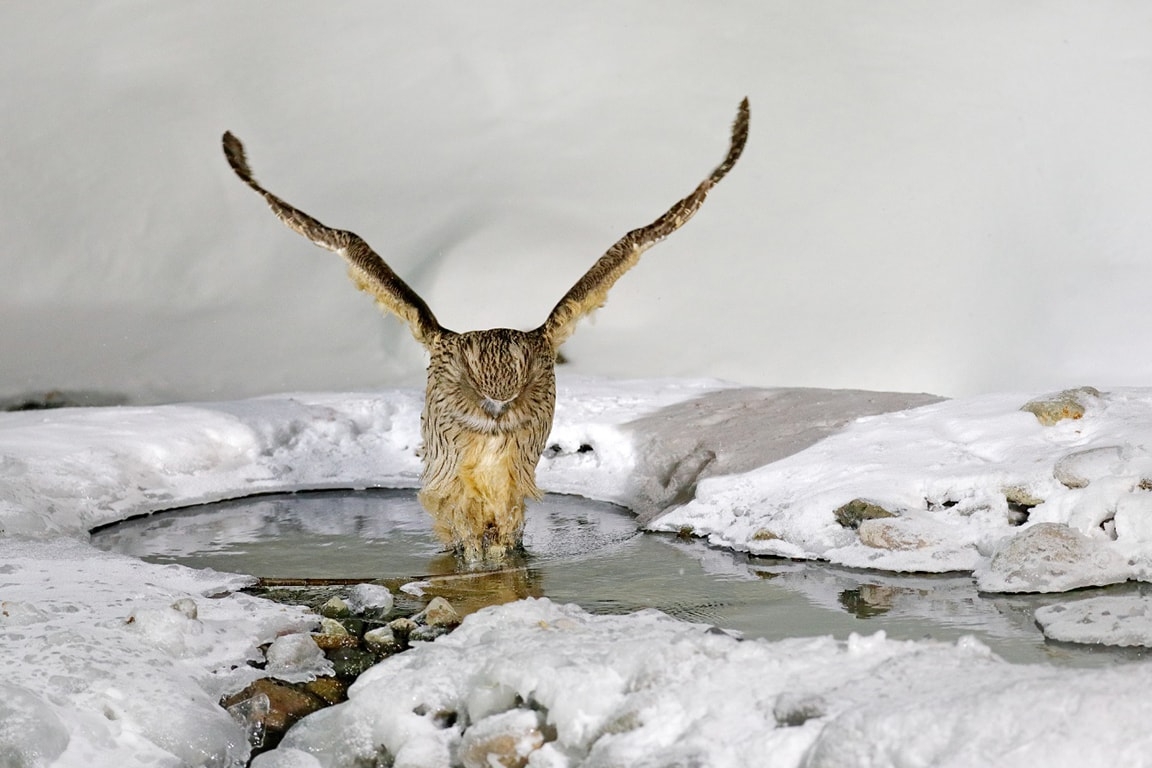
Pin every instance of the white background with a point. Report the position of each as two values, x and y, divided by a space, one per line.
936 196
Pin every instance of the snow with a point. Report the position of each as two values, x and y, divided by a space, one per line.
126 660
646 690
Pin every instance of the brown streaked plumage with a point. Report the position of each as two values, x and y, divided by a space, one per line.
490 394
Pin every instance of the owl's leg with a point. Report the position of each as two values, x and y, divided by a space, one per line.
477 527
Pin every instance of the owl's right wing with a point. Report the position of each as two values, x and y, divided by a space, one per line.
591 291
365 266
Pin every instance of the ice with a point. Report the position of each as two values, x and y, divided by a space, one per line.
1124 620
362 597
296 657
31 732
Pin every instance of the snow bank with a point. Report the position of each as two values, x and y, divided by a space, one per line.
955 476
112 661
646 690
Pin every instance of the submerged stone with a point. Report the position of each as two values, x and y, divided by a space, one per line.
351 662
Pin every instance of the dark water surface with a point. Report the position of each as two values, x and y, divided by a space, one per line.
590 553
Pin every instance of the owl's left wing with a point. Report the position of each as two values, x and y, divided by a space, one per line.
591 291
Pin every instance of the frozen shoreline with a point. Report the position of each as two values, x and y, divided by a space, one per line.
942 468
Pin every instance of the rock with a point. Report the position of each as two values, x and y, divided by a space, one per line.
763 534
438 613
292 653
336 608
1050 557
895 534
329 626
330 689
1021 496
1079 468
285 705
402 627
350 662
854 512
793 709
505 740
1069 404
330 642
370 599
186 606
382 641
426 634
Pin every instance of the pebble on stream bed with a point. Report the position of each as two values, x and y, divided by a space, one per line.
354 633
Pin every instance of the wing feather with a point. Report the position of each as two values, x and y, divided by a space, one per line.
591 291
370 273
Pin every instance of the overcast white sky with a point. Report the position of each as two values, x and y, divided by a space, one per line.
935 197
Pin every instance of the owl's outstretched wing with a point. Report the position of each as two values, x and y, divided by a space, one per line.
365 266
591 290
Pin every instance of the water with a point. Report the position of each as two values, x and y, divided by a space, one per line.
590 553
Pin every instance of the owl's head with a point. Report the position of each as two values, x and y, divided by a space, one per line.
493 380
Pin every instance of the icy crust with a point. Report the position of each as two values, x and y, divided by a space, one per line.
957 476
646 690
112 661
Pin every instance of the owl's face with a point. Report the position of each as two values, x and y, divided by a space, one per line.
495 380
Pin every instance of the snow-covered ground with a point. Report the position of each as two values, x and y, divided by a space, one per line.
113 661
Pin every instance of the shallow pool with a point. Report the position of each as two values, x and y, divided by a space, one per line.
589 553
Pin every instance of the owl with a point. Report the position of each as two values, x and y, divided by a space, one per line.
490 394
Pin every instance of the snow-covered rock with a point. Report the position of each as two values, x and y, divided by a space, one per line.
1050 557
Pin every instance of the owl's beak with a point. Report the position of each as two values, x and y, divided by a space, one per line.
494 408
